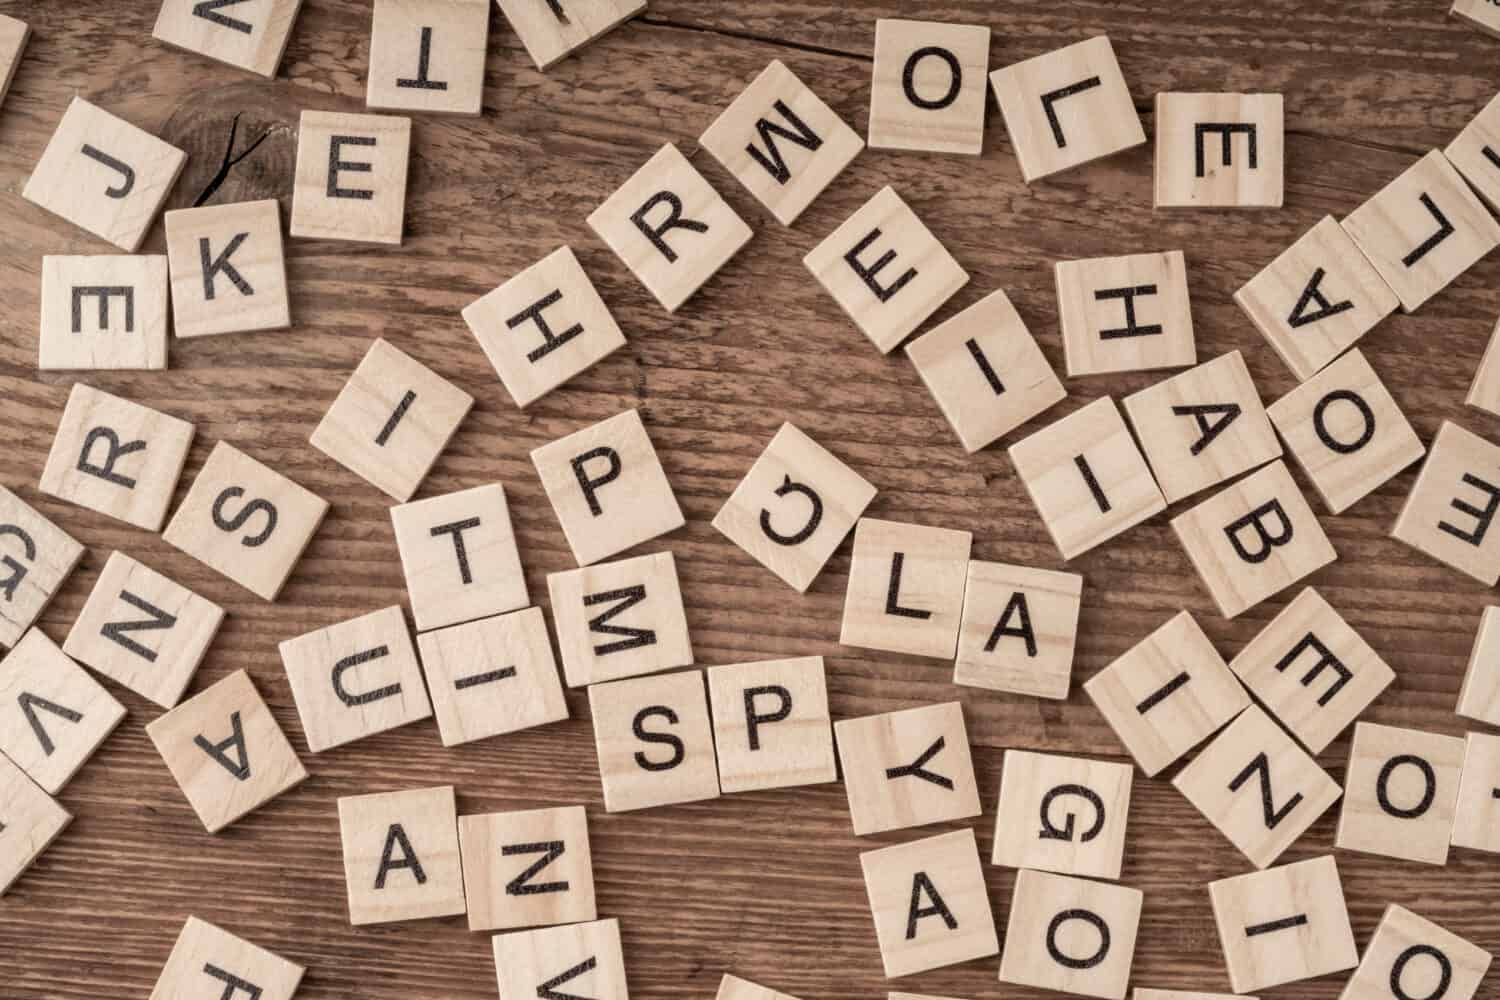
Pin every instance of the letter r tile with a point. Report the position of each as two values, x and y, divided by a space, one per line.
209 962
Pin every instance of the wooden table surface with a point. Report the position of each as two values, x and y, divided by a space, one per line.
764 885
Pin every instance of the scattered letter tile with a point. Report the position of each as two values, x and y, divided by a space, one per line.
103 313
1071 934
53 715
1482 14
459 556
1019 629
13 37
1484 392
583 960
907 768
1400 790
1062 814
1479 698
771 724
1473 151
1219 150
401 858
552 30
527 869
1413 957
906 588
30 820
1449 511
428 55
1476 821
252 37
351 177
735 988
209 962
1125 314
619 619
36 556
655 741
927 92
228 269
929 902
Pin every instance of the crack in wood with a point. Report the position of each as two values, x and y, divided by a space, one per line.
229 161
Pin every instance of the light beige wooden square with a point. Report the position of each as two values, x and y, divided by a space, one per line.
1484 391
906 588
246 520
36 556
105 312
549 38
116 457
1447 515
782 142
226 751
670 227
30 820
1400 792
228 269
143 630
1087 478
1125 314
1257 786
493 676
1471 151
13 37
351 177
459 556
355 679
53 715
1476 816
527 869
1062 814
1481 14
1219 151
577 960
1479 698
655 741
929 903
735 988
103 174
1419 246
401 857
927 90
1283 925
208 962
1018 630
771 724
1143 993
1312 670
220 32
907 768
1419 958
428 55
619 619
886 270
1091 924
543 326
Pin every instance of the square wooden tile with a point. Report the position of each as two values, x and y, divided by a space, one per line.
1125 314
1476 818
53 715
355 679
907 768
428 55
493 676
246 520
252 39
1400 792
1451 506
794 507
1283 925
553 31
906 588
1062 814
143 630
226 751
986 371
1423 229
351 177
103 313
1167 693
670 227
459 556
36 557
1479 698
401 857
228 269
929 902
103 174
782 142
1143 993
1484 391
543 326
1410 956
578 960
1346 431
116 457
391 421
1018 630
527 869
1473 151
655 741
1087 478
1202 427
771 724
1253 539
209 962
13 37
927 91
619 619
1481 14
886 270
1312 670
735 988
1071 934
30 820
1219 151
1066 108
1257 786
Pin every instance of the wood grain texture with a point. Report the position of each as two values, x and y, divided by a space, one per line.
765 885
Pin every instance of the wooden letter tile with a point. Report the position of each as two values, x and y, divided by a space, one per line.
1219 150
1071 934
401 858
13 37
1125 314
527 869
735 988
143 631
655 741
1484 392
355 679
1479 698
116 457
1400 792
886 270
907 768
927 91
906 588
245 520
929 902
1257 786
544 326
577 960
771 724
251 38
1410 956
1312 670
1062 814
1087 478
428 55
782 142
620 619
1471 151
209 962
1018 631
226 751
228 269
670 227
1482 14
103 313
1448 512
1066 108
1143 993
552 30
1476 820
30 820
1283 925
459 555
36 556
351 177
53 715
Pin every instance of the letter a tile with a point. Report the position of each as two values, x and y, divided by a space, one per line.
929 902
36 556
771 724
351 177
1062 814
1449 511
1401 788
527 869
401 857
906 588
209 962
927 90
106 312
1283 925
53 715
250 36
580 960
908 768
228 269
1072 935
1020 626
